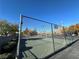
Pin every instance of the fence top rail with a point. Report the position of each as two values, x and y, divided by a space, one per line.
39 20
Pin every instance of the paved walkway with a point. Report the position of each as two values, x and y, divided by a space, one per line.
71 52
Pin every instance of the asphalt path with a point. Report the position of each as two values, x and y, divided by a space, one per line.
71 52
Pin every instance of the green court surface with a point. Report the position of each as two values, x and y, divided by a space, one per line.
43 47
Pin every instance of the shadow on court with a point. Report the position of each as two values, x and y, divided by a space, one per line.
23 48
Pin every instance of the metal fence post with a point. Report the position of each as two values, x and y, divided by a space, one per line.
64 35
19 38
53 37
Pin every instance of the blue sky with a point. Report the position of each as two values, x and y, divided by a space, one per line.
55 11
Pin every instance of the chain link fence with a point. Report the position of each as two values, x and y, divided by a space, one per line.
40 38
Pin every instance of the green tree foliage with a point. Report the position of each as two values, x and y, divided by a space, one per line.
14 28
6 28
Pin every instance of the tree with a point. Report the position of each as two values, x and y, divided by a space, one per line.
14 28
6 28
73 29
34 32
26 31
77 27
29 32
